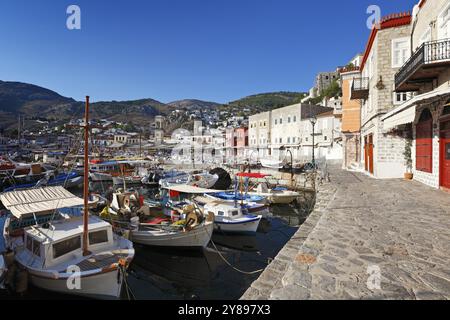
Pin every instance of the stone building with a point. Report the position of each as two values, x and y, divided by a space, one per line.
427 74
324 80
386 51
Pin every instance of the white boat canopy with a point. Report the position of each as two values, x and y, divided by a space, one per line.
31 201
184 188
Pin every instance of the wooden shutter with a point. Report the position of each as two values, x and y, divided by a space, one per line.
424 146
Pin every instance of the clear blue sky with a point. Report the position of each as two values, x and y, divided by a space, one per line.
217 50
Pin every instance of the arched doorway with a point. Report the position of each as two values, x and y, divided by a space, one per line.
445 148
424 142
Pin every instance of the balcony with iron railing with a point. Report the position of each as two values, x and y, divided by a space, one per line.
360 89
426 64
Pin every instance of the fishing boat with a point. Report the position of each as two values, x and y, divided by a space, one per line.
67 180
201 180
48 243
148 225
230 196
61 250
275 195
272 163
127 181
231 218
105 171
251 208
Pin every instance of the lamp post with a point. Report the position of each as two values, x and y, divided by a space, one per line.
283 148
313 121
250 160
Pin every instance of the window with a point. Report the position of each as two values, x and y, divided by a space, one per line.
29 244
281 140
235 213
289 119
401 97
426 37
289 140
325 138
276 121
281 120
424 142
66 246
33 246
220 213
293 140
444 24
295 118
98 237
400 52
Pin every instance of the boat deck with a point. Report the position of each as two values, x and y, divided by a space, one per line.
100 261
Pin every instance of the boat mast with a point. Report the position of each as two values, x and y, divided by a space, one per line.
86 180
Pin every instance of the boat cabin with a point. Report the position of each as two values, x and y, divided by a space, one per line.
224 211
60 243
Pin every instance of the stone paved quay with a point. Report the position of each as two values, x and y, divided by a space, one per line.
360 224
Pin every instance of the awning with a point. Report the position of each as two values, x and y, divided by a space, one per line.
403 117
406 112
184 188
25 202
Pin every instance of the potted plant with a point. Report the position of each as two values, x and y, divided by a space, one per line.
408 159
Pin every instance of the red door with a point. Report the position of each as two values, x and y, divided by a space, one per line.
371 154
445 154
366 153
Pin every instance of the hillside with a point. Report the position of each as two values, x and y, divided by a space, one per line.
191 104
268 101
37 102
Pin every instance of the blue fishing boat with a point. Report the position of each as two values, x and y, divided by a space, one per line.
232 197
67 180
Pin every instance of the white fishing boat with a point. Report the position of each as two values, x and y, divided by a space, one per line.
100 177
230 218
126 212
275 195
278 195
200 180
272 163
62 252
49 244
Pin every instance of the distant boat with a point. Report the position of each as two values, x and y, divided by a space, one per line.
67 180
200 180
272 163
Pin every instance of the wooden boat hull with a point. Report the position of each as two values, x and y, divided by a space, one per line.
196 238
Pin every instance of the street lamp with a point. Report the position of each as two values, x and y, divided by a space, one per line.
250 159
313 121
283 148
